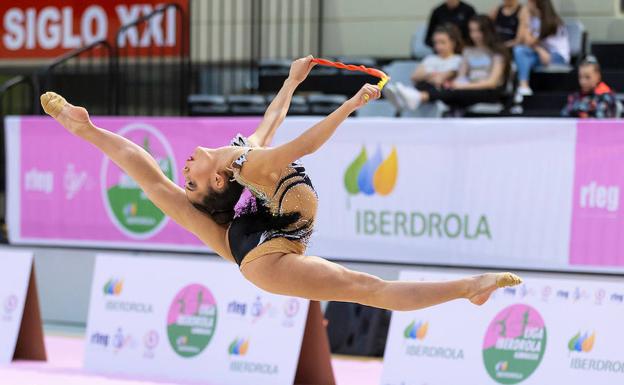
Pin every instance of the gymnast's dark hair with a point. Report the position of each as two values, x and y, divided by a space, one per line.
220 205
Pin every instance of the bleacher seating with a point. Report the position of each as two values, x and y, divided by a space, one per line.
247 104
325 104
298 105
201 105
401 70
418 48
377 108
610 55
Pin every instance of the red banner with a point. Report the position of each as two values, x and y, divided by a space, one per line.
36 29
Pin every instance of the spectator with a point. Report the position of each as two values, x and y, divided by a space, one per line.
481 77
436 70
543 38
506 20
452 11
595 99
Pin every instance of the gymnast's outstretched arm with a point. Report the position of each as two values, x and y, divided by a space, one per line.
267 162
275 114
142 168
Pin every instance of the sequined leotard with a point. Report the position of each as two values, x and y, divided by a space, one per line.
292 193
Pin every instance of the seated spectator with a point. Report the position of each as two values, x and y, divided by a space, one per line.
438 69
543 40
452 11
506 21
481 77
595 99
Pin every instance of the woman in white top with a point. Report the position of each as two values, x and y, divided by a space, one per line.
436 71
544 40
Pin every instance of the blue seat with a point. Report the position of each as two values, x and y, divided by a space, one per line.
376 108
418 48
401 70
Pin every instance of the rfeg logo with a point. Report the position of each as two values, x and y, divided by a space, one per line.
10 304
238 347
126 204
192 320
373 175
582 342
514 344
416 330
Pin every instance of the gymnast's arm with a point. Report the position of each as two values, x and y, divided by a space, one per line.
166 195
275 114
264 164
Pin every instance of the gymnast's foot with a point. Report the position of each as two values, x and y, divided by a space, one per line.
482 286
74 119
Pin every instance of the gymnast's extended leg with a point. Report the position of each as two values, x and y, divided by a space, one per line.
318 279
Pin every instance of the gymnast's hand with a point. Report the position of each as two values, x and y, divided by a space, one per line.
365 94
300 68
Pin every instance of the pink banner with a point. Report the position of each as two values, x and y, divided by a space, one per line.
70 193
597 223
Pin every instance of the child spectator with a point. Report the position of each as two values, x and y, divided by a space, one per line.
595 99
438 69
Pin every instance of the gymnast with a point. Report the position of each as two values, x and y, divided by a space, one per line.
267 237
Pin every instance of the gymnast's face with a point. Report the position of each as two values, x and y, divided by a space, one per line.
201 174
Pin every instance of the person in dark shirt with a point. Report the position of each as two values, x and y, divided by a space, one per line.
452 11
506 19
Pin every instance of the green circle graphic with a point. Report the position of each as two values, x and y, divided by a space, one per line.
514 344
192 320
127 205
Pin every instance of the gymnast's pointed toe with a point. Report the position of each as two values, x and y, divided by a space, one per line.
52 103
508 279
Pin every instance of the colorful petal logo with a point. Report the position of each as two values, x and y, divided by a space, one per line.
502 366
416 330
374 175
582 343
238 347
113 286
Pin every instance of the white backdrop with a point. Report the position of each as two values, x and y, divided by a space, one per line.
571 335
466 192
14 276
190 320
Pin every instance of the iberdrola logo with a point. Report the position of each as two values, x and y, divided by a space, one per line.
416 330
113 286
238 347
582 343
372 175
502 366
